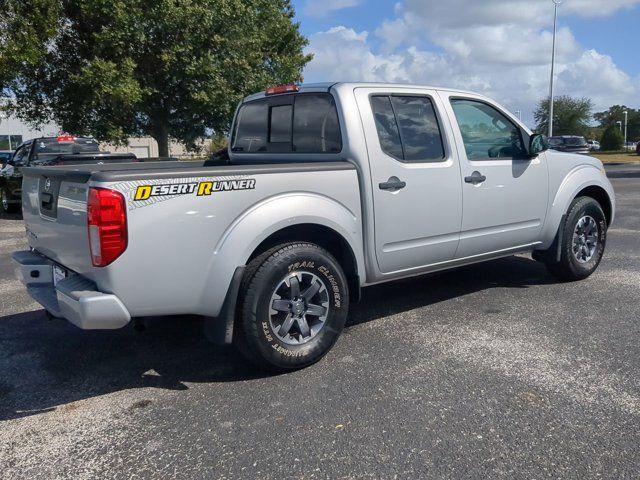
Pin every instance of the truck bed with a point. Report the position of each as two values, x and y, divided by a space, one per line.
181 234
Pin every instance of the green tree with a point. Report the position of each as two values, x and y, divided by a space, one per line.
616 114
165 68
611 139
571 116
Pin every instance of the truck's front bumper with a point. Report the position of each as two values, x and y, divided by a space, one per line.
74 298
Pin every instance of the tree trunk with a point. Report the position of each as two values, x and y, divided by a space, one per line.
162 137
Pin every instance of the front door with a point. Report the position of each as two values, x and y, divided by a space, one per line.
505 193
417 198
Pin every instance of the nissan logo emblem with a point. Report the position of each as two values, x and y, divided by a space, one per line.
47 184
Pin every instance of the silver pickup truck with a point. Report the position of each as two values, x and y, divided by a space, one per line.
328 188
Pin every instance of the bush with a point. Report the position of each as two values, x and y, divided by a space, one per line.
611 139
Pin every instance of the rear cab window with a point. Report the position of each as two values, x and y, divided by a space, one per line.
65 145
295 123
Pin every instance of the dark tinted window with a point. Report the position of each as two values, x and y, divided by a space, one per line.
251 133
77 145
280 124
555 141
386 126
575 141
408 128
300 123
486 132
315 124
21 155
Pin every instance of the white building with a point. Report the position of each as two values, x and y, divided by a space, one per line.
13 131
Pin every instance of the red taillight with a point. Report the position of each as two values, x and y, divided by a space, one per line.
107 223
282 89
65 139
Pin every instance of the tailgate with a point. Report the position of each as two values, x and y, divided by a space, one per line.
55 216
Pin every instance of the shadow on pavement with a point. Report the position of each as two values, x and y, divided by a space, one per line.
10 216
46 363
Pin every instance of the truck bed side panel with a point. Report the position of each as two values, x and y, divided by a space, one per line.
190 228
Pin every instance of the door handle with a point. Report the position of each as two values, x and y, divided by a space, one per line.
394 183
475 178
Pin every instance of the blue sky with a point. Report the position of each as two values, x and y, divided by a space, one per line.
498 47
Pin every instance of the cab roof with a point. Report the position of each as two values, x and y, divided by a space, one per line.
326 86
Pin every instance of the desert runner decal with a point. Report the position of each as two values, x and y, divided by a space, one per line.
200 189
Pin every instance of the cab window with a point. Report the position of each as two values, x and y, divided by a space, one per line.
487 133
21 156
408 128
299 123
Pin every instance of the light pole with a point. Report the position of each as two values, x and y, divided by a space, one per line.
556 3
619 123
625 129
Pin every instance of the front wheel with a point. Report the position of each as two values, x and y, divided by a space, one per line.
583 240
293 307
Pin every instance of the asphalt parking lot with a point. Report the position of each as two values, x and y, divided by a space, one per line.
494 370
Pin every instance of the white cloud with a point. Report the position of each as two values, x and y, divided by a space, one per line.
498 47
318 8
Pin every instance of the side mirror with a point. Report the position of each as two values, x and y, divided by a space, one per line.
537 143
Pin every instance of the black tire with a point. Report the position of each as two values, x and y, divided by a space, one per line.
257 334
5 206
569 268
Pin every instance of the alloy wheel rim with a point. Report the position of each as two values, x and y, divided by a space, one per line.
5 201
585 239
298 307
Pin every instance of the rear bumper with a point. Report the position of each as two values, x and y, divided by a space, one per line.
74 298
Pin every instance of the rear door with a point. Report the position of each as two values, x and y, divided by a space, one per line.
504 192
417 199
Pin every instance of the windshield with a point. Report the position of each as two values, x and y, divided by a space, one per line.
575 141
75 145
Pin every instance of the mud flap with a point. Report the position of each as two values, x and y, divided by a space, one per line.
554 252
219 330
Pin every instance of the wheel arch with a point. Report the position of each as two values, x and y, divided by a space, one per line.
601 196
585 180
294 216
324 237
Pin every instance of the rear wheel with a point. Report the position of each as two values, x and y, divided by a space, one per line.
293 307
5 205
583 240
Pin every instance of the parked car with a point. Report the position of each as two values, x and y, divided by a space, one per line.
328 189
50 151
5 156
631 146
594 145
638 148
569 143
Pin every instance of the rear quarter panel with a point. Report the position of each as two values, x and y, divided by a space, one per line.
184 248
